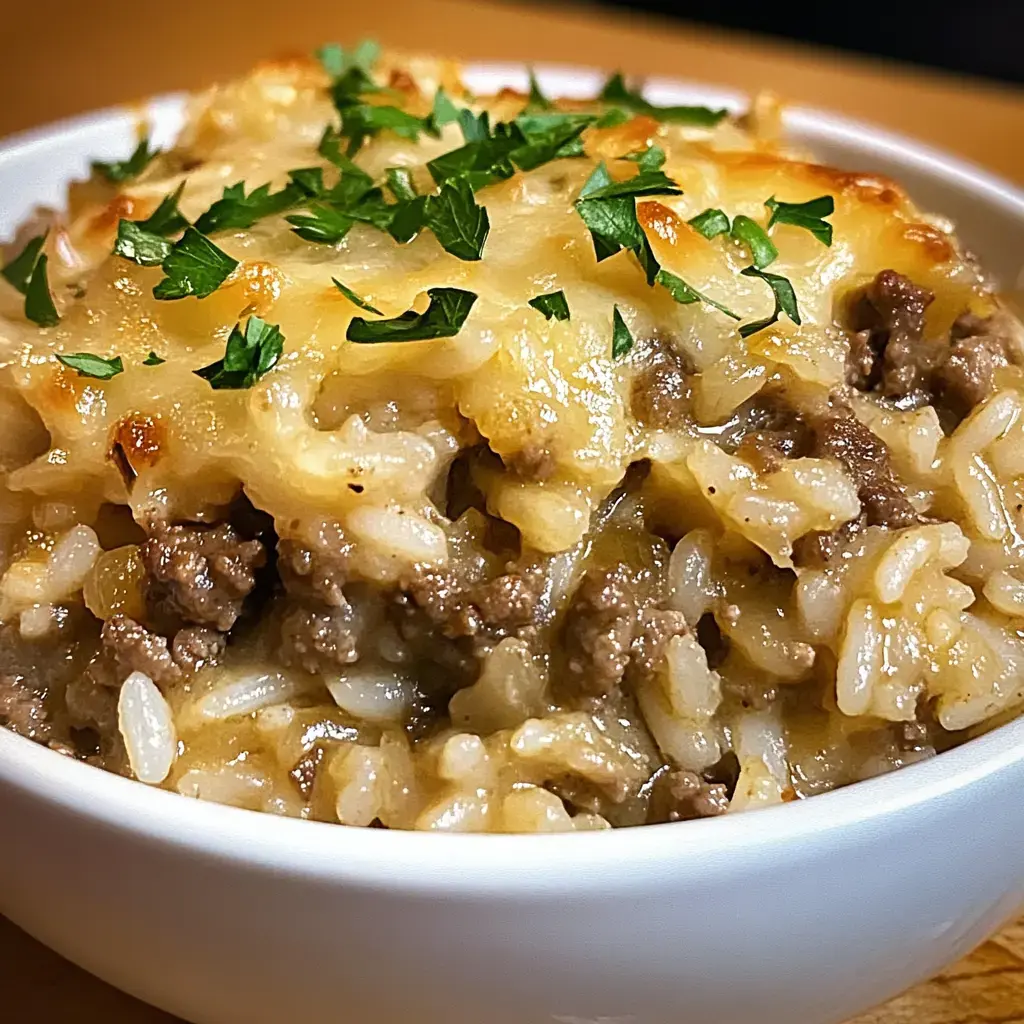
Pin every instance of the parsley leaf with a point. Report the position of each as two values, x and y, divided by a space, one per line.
362 120
612 118
622 340
400 183
810 216
650 159
475 127
609 211
685 294
552 305
166 219
248 355
617 93
88 365
444 317
143 247
481 161
537 100
27 273
548 136
785 301
407 219
646 183
354 299
308 180
235 210
350 86
711 223
492 156
153 360
336 60
458 222
19 271
194 266
39 307
123 170
444 110
762 249
322 223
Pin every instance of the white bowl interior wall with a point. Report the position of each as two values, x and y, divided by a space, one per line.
802 914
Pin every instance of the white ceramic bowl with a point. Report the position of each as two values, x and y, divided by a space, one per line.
802 914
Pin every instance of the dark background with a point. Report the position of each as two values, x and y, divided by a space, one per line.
980 37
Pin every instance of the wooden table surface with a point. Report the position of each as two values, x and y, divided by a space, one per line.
61 58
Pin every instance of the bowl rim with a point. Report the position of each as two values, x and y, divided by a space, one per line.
566 863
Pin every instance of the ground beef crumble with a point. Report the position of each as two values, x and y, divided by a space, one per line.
196 647
136 649
200 573
660 392
453 622
316 568
319 640
658 627
890 355
683 796
599 629
865 457
23 708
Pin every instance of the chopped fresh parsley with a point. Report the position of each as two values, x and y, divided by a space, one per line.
444 110
88 365
18 272
685 294
400 183
612 118
135 243
353 198
350 86
248 355
762 249
444 317
153 360
330 149
475 127
552 305
308 180
355 299
362 120
548 135
622 340
609 211
810 216
646 183
711 223
235 210
407 219
785 301
194 266
481 161
459 223
166 219
650 159
617 94
124 170
537 100
321 223
336 60
39 307
27 273
490 156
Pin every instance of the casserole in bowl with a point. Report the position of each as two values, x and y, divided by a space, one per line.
620 923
